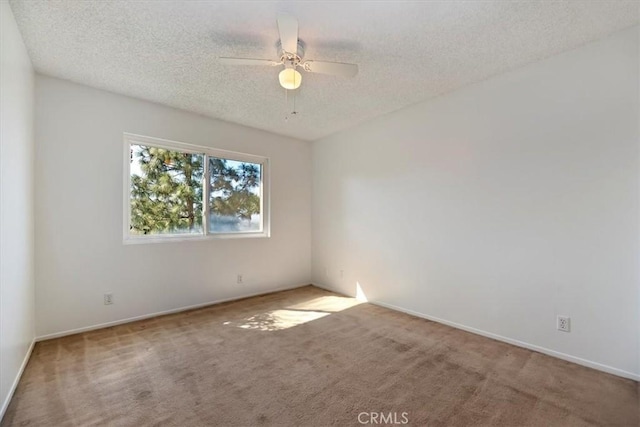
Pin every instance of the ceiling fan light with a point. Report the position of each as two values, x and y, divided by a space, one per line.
290 78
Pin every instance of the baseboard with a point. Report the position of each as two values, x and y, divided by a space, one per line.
161 313
332 289
12 390
539 349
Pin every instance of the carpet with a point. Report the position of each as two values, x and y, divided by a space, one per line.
307 357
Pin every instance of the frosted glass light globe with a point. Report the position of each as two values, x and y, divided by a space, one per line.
290 78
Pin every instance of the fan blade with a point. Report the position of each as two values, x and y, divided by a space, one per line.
248 61
334 68
288 28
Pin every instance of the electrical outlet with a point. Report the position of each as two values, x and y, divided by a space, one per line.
239 279
341 274
108 299
564 323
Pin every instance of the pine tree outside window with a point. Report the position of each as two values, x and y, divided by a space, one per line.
176 191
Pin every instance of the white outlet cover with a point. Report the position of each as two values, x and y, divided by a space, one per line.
564 323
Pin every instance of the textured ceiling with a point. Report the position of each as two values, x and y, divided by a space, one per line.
165 51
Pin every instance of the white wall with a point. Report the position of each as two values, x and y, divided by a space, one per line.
499 206
16 205
79 184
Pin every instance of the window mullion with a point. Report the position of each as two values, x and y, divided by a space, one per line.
205 196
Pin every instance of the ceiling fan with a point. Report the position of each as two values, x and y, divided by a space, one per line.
291 52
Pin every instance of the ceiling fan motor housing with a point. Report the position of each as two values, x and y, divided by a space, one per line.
290 59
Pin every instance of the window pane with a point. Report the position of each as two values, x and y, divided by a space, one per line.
234 198
166 191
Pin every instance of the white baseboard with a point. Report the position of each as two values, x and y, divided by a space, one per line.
549 352
161 313
12 390
334 290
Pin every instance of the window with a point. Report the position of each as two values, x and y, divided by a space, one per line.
176 191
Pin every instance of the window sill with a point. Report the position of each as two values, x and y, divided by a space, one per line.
130 240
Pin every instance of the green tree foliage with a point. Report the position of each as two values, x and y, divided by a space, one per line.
166 196
233 189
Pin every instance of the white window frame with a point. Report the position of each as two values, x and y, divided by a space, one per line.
133 139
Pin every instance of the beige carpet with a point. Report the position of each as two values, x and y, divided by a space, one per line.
304 358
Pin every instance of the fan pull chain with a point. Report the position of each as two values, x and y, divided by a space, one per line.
286 101
294 105
286 104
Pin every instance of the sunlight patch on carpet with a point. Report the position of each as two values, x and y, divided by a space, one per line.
296 314
331 304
